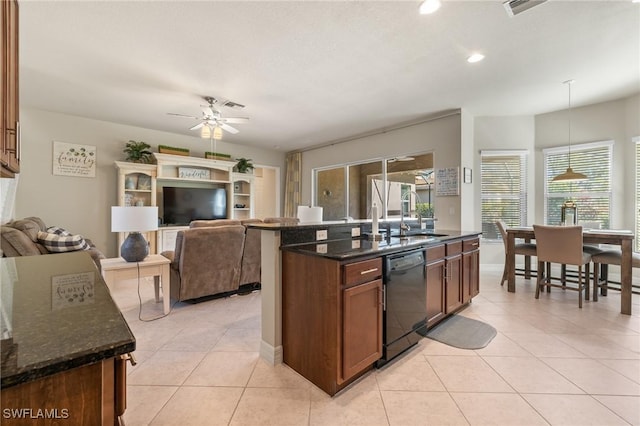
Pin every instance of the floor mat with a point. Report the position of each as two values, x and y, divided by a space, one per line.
462 332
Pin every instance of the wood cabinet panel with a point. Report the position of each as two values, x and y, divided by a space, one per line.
9 114
435 291
359 272
362 327
80 396
453 282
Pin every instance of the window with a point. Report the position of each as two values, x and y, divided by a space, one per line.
592 196
503 177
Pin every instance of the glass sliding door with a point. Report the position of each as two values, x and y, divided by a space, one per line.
331 193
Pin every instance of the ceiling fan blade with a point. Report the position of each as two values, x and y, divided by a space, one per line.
183 115
235 120
197 126
228 128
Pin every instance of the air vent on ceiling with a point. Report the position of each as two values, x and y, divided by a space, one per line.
515 7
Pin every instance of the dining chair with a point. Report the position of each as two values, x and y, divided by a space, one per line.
592 249
524 249
562 245
603 260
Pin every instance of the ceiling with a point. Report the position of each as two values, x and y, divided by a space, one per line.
314 72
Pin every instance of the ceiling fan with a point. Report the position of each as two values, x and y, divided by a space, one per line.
212 122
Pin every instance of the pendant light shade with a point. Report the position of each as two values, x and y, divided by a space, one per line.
569 175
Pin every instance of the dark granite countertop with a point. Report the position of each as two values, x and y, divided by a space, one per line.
56 314
350 248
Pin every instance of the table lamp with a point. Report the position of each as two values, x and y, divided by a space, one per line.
134 220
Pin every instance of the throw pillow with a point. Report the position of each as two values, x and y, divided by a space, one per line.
58 231
62 244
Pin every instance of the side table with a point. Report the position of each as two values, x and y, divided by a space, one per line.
154 265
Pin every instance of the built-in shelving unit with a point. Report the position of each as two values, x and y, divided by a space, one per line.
139 184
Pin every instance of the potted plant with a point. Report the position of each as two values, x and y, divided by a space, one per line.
138 152
244 165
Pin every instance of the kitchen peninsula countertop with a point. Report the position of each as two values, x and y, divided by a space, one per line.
357 247
56 314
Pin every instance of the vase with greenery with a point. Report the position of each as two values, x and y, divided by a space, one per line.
138 152
244 165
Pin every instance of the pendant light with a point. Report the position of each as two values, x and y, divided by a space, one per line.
569 175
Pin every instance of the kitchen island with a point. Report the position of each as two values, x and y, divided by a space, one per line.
322 294
64 342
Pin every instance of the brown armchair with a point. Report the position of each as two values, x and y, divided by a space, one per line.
206 261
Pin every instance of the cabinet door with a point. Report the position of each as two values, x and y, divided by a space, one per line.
470 275
361 328
10 154
453 297
435 292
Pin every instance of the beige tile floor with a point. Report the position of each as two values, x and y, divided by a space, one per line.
551 363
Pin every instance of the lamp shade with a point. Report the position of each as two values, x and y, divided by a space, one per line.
308 214
134 219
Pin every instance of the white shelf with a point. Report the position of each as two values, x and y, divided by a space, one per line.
176 179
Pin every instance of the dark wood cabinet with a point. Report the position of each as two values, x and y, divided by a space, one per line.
470 269
9 99
361 327
453 276
331 318
435 274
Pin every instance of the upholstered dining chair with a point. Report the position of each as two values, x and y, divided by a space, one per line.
562 245
524 249
603 260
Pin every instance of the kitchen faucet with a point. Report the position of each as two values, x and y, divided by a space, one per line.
403 226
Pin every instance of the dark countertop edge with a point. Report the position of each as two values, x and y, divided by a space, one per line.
33 373
412 242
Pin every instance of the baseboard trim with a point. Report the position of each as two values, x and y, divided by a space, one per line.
271 354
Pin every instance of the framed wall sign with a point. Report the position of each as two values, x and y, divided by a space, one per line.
447 181
71 159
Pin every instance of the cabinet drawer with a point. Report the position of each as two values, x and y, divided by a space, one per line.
454 248
435 253
471 244
359 272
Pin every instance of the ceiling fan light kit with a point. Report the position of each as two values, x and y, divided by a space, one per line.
212 123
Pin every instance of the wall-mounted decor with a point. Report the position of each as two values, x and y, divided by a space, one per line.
447 181
193 173
468 175
74 160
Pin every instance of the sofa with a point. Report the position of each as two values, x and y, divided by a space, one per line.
31 237
214 257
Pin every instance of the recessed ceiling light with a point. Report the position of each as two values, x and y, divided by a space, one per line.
476 57
429 6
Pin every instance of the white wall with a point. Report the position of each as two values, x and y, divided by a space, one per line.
503 133
82 205
440 136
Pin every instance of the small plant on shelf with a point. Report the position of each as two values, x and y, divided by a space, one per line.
244 165
138 152
166 149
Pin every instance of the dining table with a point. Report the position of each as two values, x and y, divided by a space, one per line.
618 237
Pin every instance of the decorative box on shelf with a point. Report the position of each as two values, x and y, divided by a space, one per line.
164 149
217 156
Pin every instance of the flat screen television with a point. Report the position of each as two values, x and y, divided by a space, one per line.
182 205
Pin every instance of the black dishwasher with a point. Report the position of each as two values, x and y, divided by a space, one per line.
404 318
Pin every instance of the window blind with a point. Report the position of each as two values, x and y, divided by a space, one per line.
592 196
504 190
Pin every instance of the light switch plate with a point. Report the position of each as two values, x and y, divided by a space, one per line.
321 235
355 232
